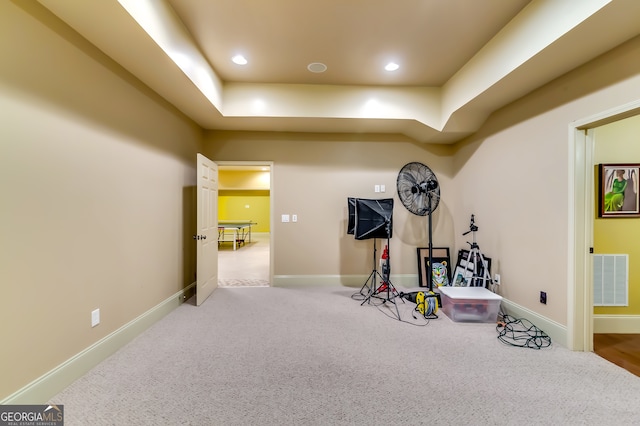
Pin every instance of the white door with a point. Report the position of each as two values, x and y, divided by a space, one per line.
207 229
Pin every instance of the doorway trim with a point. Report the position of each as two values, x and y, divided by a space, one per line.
581 215
269 164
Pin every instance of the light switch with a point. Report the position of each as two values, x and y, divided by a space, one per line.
95 317
285 218
382 188
376 188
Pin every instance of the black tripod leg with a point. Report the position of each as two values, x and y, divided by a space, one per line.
366 285
369 288
372 277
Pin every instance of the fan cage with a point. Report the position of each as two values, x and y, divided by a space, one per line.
413 179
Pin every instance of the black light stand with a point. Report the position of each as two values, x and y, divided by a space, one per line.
370 288
373 220
428 187
387 286
386 292
430 270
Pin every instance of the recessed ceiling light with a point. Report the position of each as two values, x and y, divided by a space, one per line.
317 67
391 66
239 59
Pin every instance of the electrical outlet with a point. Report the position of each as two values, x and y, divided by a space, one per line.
95 317
543 297
294 218
496 279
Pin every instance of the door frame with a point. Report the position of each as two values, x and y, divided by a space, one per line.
581 192
271 166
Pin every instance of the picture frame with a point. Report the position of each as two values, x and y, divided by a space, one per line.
465 270
440 256
461 277
618 190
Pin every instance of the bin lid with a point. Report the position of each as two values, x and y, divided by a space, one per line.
469 293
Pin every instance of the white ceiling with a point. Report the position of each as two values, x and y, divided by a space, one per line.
355 39
460 60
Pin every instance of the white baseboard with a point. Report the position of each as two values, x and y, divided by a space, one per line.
401 281
616 324
556 331
45 387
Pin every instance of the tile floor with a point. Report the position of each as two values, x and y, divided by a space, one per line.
247 266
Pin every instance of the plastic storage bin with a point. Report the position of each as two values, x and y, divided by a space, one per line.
470 304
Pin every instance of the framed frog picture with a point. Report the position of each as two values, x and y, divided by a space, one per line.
618 190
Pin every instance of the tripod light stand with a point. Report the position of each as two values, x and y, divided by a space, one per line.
476 260
373 220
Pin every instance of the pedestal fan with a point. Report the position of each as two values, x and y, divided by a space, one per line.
419 192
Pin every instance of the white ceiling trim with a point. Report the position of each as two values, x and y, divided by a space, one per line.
159 20
535 28
426 114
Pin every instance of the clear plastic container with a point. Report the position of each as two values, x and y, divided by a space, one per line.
470 304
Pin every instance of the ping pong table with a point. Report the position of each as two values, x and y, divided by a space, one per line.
239 230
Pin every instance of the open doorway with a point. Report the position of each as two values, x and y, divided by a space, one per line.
581 324
616 324
244 231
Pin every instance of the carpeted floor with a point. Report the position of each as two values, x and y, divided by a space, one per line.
316 356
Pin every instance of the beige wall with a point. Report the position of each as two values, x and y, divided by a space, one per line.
313 174
514 175
96 177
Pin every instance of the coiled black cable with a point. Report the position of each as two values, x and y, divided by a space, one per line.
521 333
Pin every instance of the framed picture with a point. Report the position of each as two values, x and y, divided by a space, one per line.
441 273
461 277
618 189
466 269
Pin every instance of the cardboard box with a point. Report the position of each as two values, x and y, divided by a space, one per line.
470 304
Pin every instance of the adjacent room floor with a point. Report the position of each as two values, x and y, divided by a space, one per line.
247 266
620 349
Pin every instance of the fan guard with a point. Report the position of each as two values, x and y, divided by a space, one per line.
416 185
